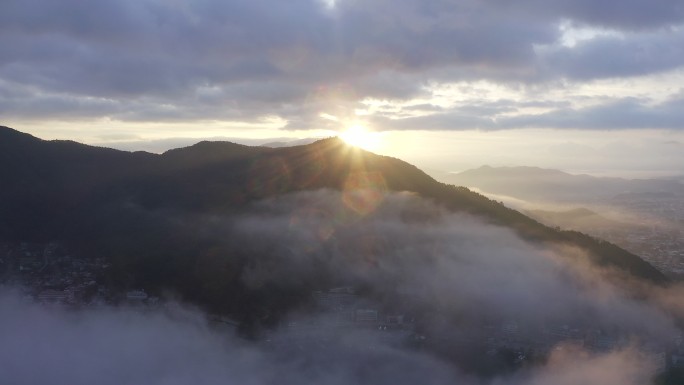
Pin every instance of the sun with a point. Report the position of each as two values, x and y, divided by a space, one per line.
359 136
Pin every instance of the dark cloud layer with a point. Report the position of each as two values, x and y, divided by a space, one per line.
242 60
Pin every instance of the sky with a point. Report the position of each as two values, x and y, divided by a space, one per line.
580 85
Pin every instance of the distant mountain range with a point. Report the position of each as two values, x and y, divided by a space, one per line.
547 185
130 207
160 145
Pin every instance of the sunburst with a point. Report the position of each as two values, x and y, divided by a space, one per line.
359 136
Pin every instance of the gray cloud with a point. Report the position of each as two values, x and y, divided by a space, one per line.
445 259
611 114
177 346
241 60
628 113
627 15
615 57
452 270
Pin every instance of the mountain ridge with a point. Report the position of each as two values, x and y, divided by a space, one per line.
68 190
550 185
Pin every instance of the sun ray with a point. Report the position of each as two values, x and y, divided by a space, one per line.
359 136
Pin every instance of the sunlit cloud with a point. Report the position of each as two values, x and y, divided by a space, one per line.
329 3
572 34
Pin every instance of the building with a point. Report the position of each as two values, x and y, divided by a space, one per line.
336 300
366 315
52 296
136 295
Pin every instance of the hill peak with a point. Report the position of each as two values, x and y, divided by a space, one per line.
7 133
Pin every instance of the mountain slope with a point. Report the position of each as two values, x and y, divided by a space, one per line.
43 181
65 190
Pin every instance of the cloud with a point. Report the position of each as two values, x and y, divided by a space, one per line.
450 264
617 56
176 345
627 113
569 365
459 277
609 114
626 15
241 61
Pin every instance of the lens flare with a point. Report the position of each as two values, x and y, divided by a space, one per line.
364 191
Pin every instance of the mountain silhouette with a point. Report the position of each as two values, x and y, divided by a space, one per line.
128 206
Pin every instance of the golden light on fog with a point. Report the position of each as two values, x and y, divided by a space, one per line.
359 136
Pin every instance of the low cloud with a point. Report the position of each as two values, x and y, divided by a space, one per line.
176 345
444 262
460 278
